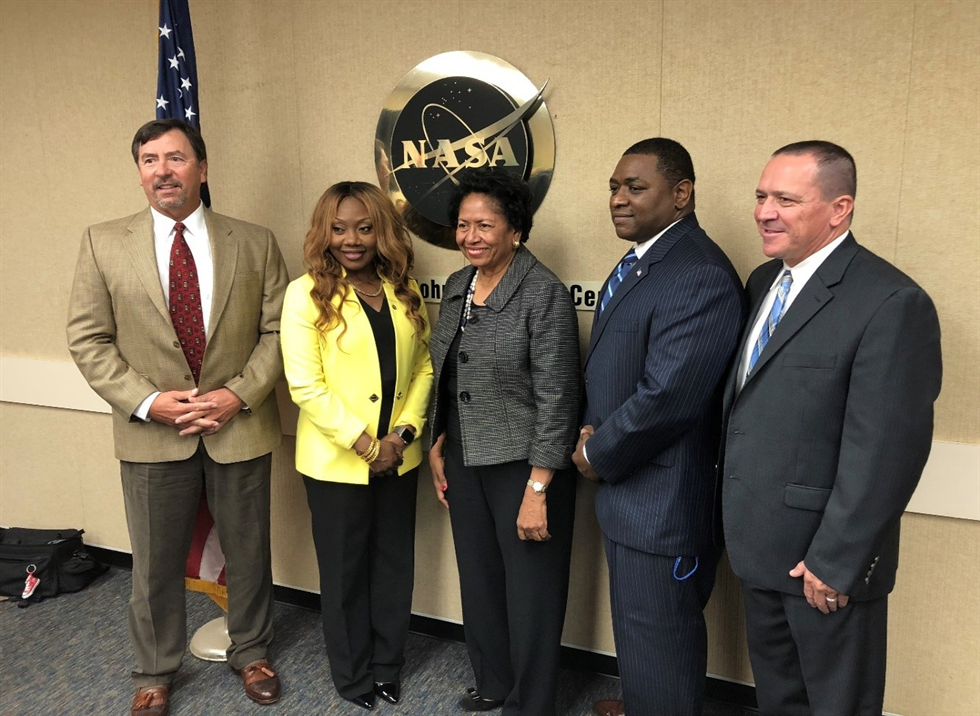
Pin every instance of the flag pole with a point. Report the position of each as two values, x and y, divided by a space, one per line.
211 641
177 97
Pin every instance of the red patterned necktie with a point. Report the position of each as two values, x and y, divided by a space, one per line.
185 302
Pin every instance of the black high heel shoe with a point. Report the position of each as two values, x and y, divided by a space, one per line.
365 701
390 691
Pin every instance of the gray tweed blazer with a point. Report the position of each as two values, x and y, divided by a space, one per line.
518 368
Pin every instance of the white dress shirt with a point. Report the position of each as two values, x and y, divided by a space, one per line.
198 241
802 272
643 247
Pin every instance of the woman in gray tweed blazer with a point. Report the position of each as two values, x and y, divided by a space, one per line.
505 356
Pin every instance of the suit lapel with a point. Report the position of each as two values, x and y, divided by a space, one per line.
139 246
761 290
454 298
639 272
224 254
521 264
812 299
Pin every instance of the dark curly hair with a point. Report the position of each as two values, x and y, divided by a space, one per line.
510 195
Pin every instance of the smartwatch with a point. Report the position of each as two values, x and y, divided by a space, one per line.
406 433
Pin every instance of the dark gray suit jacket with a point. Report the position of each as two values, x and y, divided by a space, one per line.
653 381
826 441
518 369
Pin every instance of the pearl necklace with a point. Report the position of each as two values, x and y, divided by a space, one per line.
469 301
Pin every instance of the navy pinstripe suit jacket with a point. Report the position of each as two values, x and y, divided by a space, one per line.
653 380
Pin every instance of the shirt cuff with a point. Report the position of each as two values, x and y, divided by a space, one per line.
143 411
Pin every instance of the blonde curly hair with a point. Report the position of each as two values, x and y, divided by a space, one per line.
394 260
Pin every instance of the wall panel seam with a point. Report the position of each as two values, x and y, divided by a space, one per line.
906 131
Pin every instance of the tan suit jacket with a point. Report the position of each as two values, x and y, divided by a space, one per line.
122 338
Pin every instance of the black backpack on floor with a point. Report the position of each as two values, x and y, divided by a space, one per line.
55 557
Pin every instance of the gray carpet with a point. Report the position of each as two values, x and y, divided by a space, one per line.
71 655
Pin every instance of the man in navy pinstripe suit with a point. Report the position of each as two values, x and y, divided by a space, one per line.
662 339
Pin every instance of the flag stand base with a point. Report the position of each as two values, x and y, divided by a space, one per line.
211 641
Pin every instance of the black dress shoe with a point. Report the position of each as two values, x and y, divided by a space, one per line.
390 691
472 701
365 701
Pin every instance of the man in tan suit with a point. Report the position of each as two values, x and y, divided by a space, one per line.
174 321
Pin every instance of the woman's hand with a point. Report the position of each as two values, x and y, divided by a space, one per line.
437 463
532 520
389 456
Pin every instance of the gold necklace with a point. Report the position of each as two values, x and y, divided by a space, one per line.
361 291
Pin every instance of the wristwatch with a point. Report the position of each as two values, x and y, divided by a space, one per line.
406 433
538 487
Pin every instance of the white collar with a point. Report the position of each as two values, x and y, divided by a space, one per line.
808 266
193 224
642 247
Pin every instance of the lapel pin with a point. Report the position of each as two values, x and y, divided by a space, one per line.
639 272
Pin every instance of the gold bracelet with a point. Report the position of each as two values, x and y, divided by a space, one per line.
375 451
367 456
371 454
366 451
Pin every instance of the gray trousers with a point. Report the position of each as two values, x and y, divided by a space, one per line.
161 506
807 663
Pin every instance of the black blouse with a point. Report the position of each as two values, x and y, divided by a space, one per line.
384 339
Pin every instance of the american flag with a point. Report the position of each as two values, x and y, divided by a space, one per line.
177 69
205 570
177 97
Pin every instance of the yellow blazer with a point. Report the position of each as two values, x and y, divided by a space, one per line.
333 378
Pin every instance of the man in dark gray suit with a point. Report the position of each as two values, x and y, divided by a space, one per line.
662 341
829 425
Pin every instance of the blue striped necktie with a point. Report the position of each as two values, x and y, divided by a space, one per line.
617 278
775 315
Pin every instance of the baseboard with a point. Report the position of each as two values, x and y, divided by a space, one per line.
728 692
112 557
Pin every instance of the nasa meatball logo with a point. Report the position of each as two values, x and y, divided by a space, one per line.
455 111
442 130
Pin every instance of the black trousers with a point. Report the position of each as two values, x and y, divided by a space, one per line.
365 548
658 620
807 663
513 591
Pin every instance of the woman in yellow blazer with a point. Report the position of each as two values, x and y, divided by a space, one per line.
355 349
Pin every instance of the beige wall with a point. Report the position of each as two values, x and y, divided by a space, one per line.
290 95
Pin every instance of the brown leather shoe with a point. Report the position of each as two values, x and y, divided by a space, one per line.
261 682
151 701
609 707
